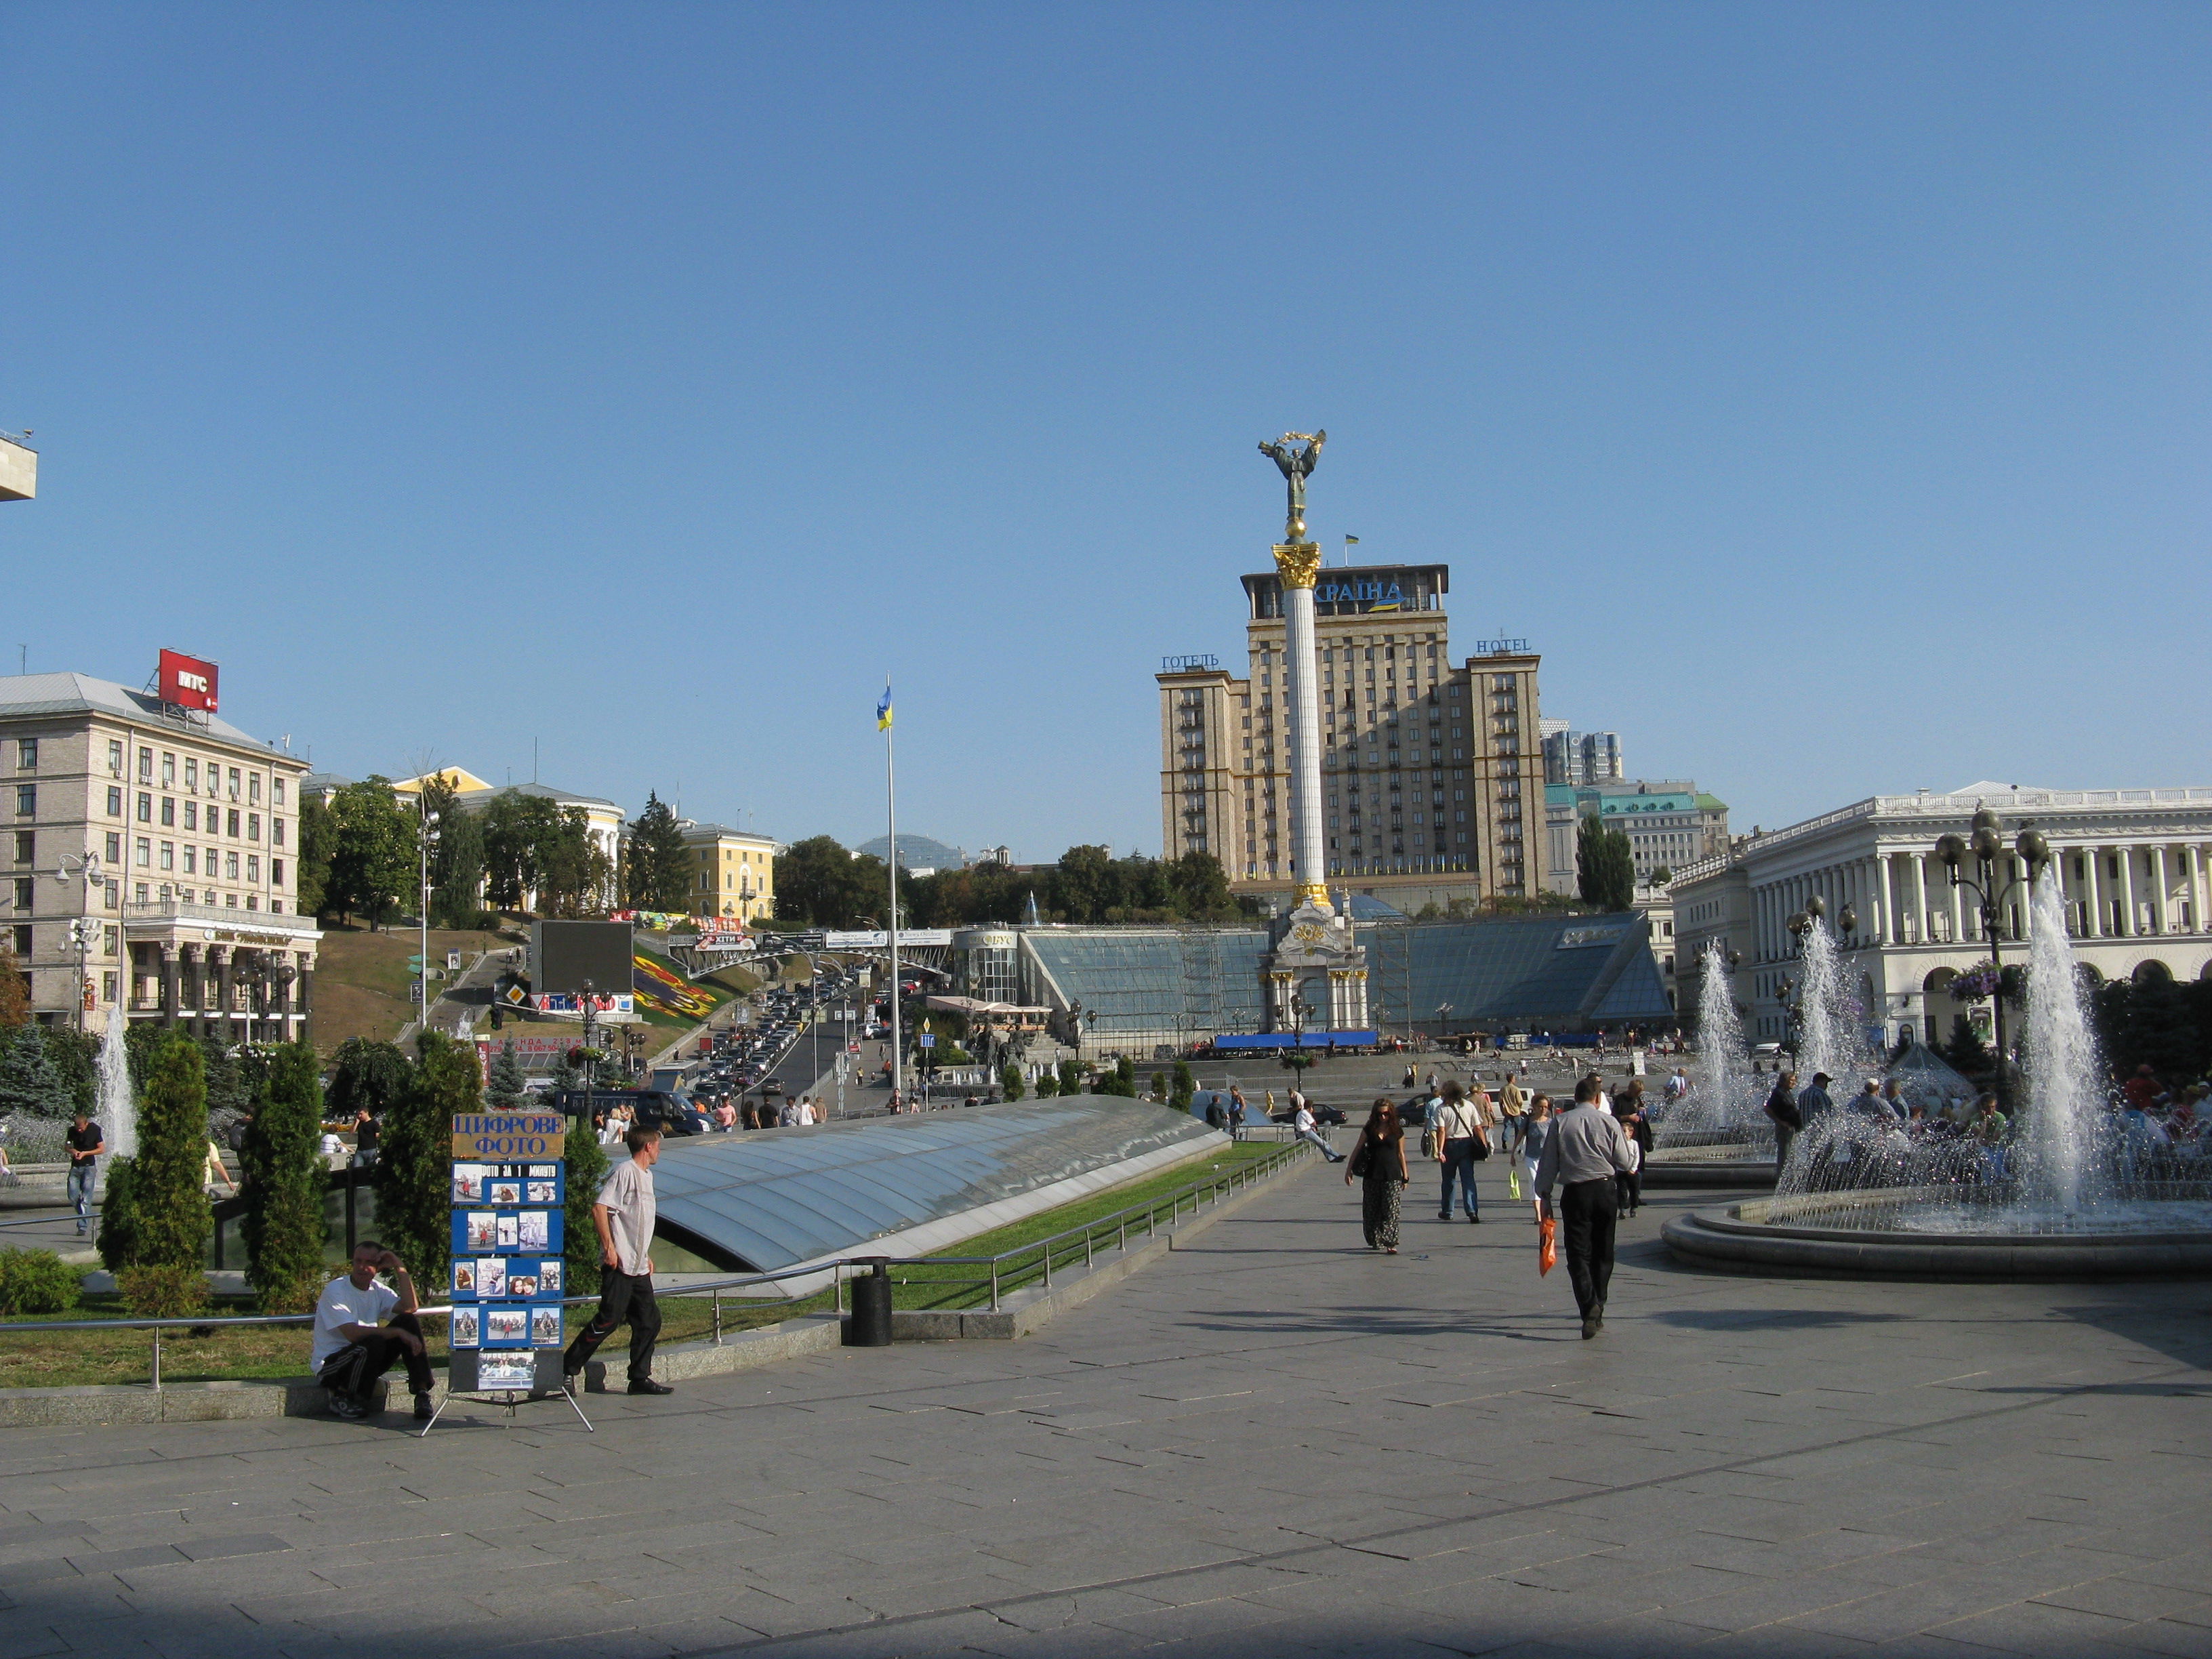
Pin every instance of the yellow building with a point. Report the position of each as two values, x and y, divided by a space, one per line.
733 871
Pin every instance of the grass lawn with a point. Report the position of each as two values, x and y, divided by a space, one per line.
74 1358
362 978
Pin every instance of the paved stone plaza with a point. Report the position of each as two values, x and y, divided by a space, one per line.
1273 1444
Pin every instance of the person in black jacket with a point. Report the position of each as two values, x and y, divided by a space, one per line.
1782 1107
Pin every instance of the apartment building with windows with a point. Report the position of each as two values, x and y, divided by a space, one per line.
1431 767
734 871
159 844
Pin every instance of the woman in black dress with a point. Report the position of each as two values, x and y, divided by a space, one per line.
1379 1161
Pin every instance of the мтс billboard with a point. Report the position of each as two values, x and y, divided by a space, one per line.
187 681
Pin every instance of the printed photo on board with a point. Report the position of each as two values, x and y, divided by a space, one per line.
549 1276
541 1192
502 1325
505 1192
522 1285
465 1328
544 1327
484 1230
535 1233
464 1276
507 1234
491 1279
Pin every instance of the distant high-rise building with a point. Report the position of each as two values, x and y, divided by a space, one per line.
1580 757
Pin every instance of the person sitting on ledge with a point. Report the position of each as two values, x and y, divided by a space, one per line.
352 1349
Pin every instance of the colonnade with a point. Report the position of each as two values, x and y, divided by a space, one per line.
208 989
2112 889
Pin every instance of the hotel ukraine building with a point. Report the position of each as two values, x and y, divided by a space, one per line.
1432 770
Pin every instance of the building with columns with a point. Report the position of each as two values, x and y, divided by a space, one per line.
155 847
2132 864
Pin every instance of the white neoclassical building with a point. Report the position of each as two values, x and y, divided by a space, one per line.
2133 865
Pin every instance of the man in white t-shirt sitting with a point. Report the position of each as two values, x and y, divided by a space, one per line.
354 1341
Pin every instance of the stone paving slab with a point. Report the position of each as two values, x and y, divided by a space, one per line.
1273 1442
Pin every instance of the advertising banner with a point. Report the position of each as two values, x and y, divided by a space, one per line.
508 1273
187 681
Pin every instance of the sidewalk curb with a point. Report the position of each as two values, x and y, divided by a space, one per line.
1021 1314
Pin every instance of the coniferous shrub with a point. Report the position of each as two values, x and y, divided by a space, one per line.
588 1163
29 1081
284 1179
170 1216
415 1155
1070 1077
506 1091
36 1282
1010 1081
166 1292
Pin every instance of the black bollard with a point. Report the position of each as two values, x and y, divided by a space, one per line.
870 1325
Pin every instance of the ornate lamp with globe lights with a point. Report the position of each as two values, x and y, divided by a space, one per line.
1985 846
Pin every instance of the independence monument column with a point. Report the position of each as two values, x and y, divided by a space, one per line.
1317 977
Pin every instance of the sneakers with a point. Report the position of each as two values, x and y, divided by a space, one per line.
1590 1328
425 1408
1475 1219
1443 1215
647 1385
343 1405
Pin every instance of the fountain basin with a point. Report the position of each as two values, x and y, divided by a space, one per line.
1926 1233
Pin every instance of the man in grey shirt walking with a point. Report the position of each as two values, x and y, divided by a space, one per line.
623 1214
1586 1149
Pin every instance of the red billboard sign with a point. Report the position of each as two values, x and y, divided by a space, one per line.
187 681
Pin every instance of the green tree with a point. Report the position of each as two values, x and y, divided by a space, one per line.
657 866
1070 1077
1047 1086
284 1184
818 881
30 1082
169 1205
414 1158
1605 865
588 1163
1010 1081
1201 888
1186 1086
368 1074
76 1056
457 857
574 876
375 843
14 989
1158 1091
1086 885
317 842
506 1090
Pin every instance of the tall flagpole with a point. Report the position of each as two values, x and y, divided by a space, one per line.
890 814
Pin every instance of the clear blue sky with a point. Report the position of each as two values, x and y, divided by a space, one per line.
1822 389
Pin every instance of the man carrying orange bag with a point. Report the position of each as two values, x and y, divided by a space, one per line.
1586 1149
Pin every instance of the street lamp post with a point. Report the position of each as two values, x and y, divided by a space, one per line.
591 1066
72 866
1985 846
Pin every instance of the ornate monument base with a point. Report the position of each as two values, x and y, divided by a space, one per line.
1317 977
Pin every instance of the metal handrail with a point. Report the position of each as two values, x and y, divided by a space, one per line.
1043 1248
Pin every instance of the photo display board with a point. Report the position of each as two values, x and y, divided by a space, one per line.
509 1185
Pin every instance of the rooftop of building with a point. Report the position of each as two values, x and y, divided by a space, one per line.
477 794
24 696
695 832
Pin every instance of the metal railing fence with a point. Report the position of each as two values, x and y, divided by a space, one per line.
1007 1270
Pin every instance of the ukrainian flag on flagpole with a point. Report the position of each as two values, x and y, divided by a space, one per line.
883 710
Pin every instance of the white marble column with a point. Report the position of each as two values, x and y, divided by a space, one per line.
2129 926
1887 932
2193 857
2161 898
2093 862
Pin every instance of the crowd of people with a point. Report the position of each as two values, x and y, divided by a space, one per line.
1592 1154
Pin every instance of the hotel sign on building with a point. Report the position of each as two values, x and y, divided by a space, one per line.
1432 777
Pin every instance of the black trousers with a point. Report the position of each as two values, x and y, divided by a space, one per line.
621 1296
1628 1189
1587 1212
354 1368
